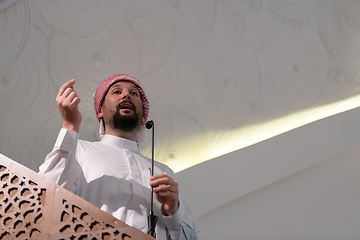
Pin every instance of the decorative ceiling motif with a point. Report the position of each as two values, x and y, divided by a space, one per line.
220 75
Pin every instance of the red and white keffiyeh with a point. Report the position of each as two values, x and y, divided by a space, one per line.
102 89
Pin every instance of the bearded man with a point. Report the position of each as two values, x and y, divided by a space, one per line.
112 174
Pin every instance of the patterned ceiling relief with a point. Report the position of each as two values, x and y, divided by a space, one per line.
190 34
14 28
5 3
339 28
228 92
220 75
154 34
27 101
293 10
78 18
251 16
298 83
89 59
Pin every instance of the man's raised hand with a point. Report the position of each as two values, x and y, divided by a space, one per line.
67 102
166 192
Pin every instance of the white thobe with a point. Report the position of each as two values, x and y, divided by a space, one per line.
114 176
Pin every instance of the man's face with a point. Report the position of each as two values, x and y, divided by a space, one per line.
122 108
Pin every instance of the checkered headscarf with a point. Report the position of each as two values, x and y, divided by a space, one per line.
102 89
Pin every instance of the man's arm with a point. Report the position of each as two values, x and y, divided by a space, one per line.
60 165
178 218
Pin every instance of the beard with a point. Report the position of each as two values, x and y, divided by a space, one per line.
126 123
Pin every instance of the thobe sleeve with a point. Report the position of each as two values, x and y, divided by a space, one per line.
60 165
182 225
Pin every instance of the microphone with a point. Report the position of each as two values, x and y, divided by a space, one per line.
149 124
152 219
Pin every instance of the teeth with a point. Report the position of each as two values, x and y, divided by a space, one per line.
126 106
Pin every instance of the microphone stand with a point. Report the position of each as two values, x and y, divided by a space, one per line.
152 219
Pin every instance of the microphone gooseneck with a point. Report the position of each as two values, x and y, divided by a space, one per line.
152 219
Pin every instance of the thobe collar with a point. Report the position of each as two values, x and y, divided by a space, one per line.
120 142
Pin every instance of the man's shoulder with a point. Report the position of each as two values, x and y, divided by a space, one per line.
89 144
82 141
86 141
162 166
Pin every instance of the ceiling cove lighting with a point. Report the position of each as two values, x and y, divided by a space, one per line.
235 139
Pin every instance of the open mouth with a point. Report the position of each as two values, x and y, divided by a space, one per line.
127 106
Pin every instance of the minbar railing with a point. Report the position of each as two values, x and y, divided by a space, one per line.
32 207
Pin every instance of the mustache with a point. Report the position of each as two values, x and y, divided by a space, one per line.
125 103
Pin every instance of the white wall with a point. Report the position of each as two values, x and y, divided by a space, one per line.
303 184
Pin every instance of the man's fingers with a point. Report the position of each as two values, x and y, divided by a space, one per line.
68 98
63 88
67 92
165 188
76 101
72 99
157 182
164 184
161 175
161 179
168 194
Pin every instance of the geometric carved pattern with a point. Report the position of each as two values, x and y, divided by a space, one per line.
80 225
21 205
33 207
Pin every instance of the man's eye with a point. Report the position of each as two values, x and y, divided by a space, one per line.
134 93
117 92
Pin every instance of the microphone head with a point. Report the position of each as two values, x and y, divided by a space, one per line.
149 124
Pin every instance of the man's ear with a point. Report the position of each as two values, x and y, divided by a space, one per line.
100 114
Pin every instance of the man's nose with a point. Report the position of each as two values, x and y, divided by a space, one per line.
126 95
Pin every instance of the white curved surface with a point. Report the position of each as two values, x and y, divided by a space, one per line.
220 75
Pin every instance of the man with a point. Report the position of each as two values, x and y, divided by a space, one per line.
112 174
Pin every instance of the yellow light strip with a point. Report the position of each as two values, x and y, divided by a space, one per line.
235 139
